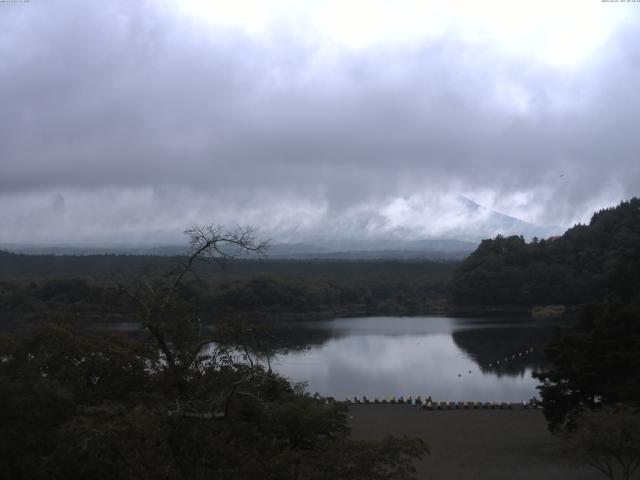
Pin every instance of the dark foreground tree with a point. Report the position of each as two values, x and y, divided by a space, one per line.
172 403
595 363
591 395
609 441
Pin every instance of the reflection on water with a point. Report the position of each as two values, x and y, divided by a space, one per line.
447 358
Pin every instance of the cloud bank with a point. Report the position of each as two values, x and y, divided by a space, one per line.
126 122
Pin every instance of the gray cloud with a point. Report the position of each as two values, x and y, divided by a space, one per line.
120 120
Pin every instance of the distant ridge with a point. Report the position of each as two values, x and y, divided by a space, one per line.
421 249
366 235
60 250
446 249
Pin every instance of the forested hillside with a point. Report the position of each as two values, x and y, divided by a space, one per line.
582 266
43 286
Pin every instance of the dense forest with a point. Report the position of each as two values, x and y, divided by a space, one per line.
579 267
173 402
591 392
158 404
36 286
107 267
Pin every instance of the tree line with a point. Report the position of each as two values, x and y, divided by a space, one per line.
265 288
577 268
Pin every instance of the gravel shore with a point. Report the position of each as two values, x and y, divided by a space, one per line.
474 444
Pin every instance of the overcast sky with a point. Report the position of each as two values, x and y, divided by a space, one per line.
127 121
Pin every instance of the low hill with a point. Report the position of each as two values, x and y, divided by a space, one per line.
582 266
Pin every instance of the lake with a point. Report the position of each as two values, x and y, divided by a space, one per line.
451 359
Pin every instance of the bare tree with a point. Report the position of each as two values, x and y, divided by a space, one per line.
157 298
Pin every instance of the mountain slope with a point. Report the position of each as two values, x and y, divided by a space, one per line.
584 265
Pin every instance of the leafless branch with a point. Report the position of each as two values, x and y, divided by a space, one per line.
135 298
155 300
209 241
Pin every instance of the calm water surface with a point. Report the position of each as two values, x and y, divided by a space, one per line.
448 358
